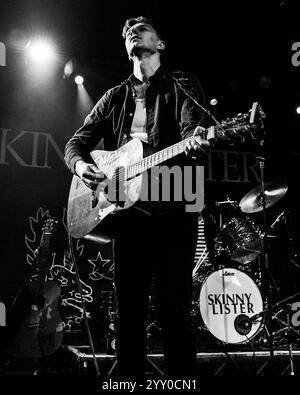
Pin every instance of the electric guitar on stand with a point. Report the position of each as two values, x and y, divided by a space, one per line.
41 331
127 166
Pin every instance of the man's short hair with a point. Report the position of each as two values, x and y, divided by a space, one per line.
140 19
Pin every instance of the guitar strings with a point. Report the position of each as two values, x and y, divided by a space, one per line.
144 164
124 173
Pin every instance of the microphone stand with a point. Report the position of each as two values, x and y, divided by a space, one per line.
265 267
294 260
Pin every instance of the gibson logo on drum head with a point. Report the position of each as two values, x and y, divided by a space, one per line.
226 273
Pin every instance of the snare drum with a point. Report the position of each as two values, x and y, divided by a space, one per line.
241 238
227 297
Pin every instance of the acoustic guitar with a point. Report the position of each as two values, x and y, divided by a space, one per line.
40 333
126 167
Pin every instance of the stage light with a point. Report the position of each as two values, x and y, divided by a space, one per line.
40 51
298 110
79 80
213 102
70 68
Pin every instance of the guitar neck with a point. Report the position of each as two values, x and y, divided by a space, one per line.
157 158
167 153
232 129
43 262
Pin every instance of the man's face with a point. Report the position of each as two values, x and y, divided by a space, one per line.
141 37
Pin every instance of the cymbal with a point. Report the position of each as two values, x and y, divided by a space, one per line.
252 202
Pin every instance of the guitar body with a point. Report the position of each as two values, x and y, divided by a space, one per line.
35 327
41 332
84 212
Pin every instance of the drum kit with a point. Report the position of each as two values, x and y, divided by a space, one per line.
232 302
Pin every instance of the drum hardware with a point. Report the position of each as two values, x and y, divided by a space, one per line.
259 199
285 218
272 236
289 228
286 329
280 217
233 203
226 203
243 323
244 320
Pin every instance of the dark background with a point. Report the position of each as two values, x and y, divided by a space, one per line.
241 52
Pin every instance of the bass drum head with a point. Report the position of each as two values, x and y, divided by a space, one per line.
226 297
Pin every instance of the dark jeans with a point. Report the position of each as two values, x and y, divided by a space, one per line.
163 245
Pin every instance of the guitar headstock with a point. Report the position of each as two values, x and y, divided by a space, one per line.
249 125
50 225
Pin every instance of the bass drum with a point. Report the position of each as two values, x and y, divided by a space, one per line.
228 299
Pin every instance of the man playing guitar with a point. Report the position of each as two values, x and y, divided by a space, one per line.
150 106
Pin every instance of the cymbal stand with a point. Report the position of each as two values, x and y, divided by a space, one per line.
288 328
287 331
294 260
290 345
266 283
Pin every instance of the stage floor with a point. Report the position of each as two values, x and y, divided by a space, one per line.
213 360
80 360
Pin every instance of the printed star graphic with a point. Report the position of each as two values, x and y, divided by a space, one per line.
99 270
